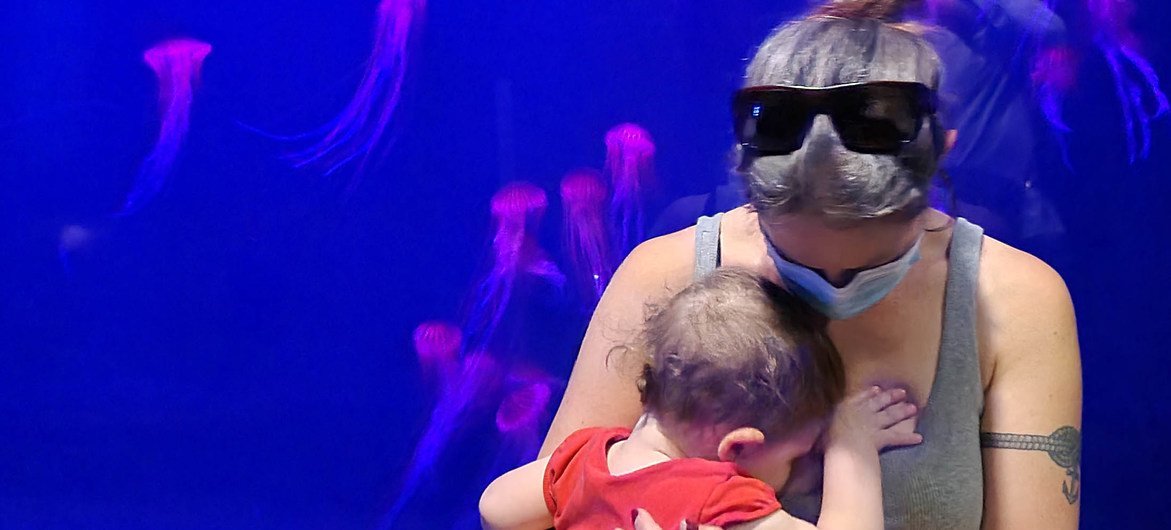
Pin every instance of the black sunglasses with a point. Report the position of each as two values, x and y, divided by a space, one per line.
875 117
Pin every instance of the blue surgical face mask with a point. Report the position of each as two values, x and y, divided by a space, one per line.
839 303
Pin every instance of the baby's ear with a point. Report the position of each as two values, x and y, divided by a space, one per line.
738 442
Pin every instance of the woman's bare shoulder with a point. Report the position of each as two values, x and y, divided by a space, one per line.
1010 277
1024 306
665 259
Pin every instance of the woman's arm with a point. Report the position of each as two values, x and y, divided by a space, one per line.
516 500
602 390
1030 432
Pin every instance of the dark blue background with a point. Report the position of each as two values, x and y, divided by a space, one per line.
237 354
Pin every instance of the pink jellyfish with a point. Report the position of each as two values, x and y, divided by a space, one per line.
177 65
1135 79
524 406
585 235
476 381
630 161
358 131
437 345
1054 74
520 416
517 212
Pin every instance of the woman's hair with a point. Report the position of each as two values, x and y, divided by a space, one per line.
842 42
734 349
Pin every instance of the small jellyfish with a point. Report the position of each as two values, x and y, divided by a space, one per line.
358 132
517 212
74 238
585 235
1054 74
520 418
437 345
523 407
476 381
177 64
1135 79
630 164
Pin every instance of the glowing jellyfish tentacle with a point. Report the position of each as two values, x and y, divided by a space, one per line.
630 155
1120 46
359 130
517 212
585 235
477 377
1148 83
177 64
1124 97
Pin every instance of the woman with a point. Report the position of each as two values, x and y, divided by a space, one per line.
981 334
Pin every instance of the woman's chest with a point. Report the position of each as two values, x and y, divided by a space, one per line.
891 354
909 362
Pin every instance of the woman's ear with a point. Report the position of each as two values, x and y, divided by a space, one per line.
738 442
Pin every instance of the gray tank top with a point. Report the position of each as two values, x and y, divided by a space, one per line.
938 484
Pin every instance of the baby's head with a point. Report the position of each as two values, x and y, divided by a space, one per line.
742 371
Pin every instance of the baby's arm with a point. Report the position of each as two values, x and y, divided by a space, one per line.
516 500
852 490
778 520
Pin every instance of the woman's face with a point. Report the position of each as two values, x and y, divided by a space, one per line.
838 253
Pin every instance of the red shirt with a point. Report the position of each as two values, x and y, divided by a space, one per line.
582 494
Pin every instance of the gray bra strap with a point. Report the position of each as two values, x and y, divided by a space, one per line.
707 245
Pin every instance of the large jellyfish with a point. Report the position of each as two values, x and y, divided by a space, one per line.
177 64
630 164
1135 79
358 131
437 345
585 236
517 212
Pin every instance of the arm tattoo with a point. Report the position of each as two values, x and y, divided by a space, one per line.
1064 447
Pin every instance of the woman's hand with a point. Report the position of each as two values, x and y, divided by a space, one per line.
865 420
644 521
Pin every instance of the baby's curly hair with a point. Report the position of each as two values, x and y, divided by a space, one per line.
735 349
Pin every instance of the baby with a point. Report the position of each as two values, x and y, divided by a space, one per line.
741 380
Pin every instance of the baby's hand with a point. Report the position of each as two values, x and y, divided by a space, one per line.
865 420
